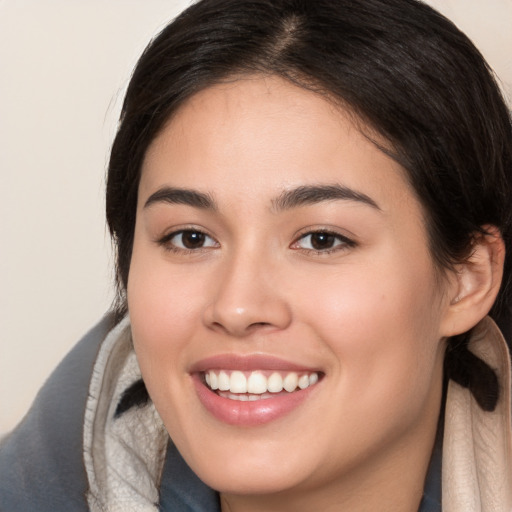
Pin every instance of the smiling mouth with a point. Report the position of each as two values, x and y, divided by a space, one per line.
257 385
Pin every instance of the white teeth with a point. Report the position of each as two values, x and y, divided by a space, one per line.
238 383
214 380
253 385
256 383
223 381
275 383
303 381
290 382
242 397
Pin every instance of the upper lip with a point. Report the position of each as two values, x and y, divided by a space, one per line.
248 363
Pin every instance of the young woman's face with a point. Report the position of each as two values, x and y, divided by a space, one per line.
275 245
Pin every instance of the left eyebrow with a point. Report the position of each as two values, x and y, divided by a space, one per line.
185 196
312 194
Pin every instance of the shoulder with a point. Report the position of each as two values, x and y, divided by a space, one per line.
41 462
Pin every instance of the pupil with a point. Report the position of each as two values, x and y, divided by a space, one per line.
192 239
322 240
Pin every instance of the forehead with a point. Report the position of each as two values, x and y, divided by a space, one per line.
264 134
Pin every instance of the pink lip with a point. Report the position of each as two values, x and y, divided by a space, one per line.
248 414
247 363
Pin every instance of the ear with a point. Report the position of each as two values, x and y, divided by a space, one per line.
475 283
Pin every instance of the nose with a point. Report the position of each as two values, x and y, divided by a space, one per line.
246 298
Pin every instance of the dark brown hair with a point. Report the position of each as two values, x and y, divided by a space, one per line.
400 66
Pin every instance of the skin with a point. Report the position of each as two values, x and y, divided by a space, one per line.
370 313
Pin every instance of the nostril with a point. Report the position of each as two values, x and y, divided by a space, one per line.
258 312
256 326
242 330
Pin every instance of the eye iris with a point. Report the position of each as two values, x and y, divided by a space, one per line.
322 240
192 239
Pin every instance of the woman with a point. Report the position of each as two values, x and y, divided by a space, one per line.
311 207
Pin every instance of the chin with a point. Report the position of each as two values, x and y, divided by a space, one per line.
255 480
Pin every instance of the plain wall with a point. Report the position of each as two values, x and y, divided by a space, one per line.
64 67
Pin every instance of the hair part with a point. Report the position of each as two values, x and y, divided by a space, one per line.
399 66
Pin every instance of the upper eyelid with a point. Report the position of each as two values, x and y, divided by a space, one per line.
349 237
176 230
165 240
166 243
172 234
346 242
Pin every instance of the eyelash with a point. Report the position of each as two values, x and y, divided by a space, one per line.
341 242
168 245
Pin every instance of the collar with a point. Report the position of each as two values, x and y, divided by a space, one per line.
477 444
181 489
432 496
476 450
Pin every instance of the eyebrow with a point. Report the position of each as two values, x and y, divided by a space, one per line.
312 194
185 196
288 199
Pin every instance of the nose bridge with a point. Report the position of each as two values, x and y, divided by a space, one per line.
246 297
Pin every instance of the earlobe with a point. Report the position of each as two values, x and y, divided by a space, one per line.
476 283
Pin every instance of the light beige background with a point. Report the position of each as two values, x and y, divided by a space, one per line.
64 67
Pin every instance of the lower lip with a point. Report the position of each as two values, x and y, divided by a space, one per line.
250 413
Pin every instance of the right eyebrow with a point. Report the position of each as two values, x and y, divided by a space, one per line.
312 194
185 196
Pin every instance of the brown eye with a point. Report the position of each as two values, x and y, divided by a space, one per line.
323 241
192 239
189 240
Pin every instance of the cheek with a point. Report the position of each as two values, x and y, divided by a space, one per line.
370 297
380 324
386 359
163 307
